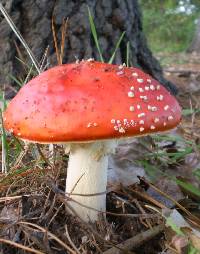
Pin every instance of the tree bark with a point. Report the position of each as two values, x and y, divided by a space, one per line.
195 44
33 19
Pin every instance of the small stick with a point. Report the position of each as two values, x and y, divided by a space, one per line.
136 241
70 240
55 40
20 246
147 224
55 214
65 198
54 237
63 33
174 201
43 156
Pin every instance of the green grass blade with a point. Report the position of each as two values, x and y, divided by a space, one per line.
189 187
197 173
4 143
192 250
94 34
116 47
187 112
28 75
22 62
169 137
2 98
149 169
127 53
16 80
174 227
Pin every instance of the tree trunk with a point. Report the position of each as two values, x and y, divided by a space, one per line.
33 18
195 44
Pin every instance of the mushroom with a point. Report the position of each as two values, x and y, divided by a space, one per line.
89 105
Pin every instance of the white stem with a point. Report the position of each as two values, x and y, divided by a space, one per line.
87 174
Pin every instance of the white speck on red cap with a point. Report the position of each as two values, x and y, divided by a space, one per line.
141 129
160 97
134 74
141 115
121 130
152 87
166 107
170 118
131 94
120 73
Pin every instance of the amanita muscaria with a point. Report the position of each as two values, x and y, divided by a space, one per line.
90 105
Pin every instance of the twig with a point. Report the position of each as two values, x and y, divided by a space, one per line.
136 240
20 246
55 214
55 40
70 240
33 239
65 198
18 142
59 196
5 199
50 211
11 88
123 200
44 57
21 156
147 224
23 223
173 200
147 197
43 156
43 213
63 33
71 192
12 198
28 75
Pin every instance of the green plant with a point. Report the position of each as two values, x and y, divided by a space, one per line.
4 144
95 37
167 27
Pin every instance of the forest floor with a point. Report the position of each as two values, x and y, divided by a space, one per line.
157 212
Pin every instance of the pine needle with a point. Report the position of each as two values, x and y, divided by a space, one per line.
19 36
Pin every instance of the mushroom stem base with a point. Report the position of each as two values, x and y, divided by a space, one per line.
87 175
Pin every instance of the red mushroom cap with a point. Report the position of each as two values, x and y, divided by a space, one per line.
90 101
